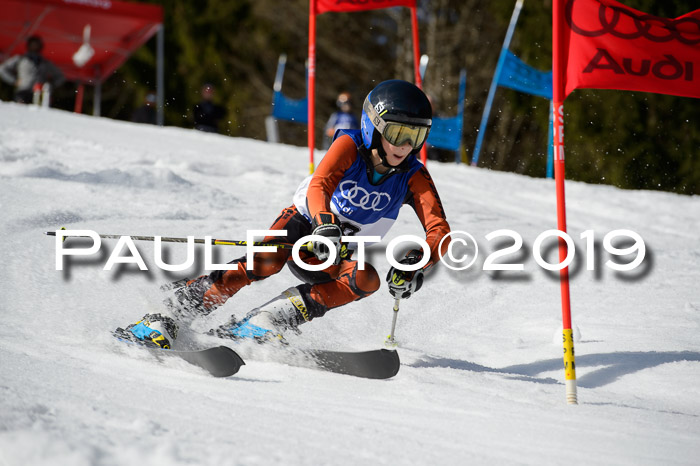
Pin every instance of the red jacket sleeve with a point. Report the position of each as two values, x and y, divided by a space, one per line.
424 199
341 155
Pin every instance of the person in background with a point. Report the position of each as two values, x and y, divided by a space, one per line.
343 118
146 113
206 113
25 71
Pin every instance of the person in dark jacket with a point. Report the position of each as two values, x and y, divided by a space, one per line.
206 113
26 71
147 112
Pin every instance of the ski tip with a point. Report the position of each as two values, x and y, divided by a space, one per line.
232 354
222 361
393 363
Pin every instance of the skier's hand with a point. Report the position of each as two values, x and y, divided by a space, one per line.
326 224
403 284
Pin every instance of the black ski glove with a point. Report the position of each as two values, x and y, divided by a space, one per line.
326 224
403 284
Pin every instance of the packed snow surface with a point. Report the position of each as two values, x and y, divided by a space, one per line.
482 378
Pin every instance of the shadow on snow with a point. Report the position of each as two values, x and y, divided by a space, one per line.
615 365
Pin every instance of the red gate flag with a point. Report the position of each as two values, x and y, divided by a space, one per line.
325 6
317 7
606 45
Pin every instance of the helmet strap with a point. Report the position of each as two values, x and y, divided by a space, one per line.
382 157
376 144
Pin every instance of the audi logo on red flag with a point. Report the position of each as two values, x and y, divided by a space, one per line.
604 44
685 29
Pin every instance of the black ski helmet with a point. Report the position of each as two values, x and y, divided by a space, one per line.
391 105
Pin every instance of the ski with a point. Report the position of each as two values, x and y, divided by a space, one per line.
222 361
373 364
219 361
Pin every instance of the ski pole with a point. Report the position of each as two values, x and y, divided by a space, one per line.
390 342
217 242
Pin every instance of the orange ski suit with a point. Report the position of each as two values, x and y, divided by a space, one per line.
338 284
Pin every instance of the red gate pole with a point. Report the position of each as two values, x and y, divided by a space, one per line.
559 175
79 98
311 83
416 68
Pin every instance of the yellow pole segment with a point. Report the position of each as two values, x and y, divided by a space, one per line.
570 367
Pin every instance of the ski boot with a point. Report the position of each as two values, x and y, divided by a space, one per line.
153 331
268 322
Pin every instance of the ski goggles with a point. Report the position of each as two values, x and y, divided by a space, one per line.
405 130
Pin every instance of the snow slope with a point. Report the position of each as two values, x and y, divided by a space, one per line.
482 374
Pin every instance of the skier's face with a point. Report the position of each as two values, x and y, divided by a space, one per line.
395 154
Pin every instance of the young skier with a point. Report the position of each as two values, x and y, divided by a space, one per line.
357 189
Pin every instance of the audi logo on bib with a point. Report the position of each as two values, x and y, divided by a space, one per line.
360 197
